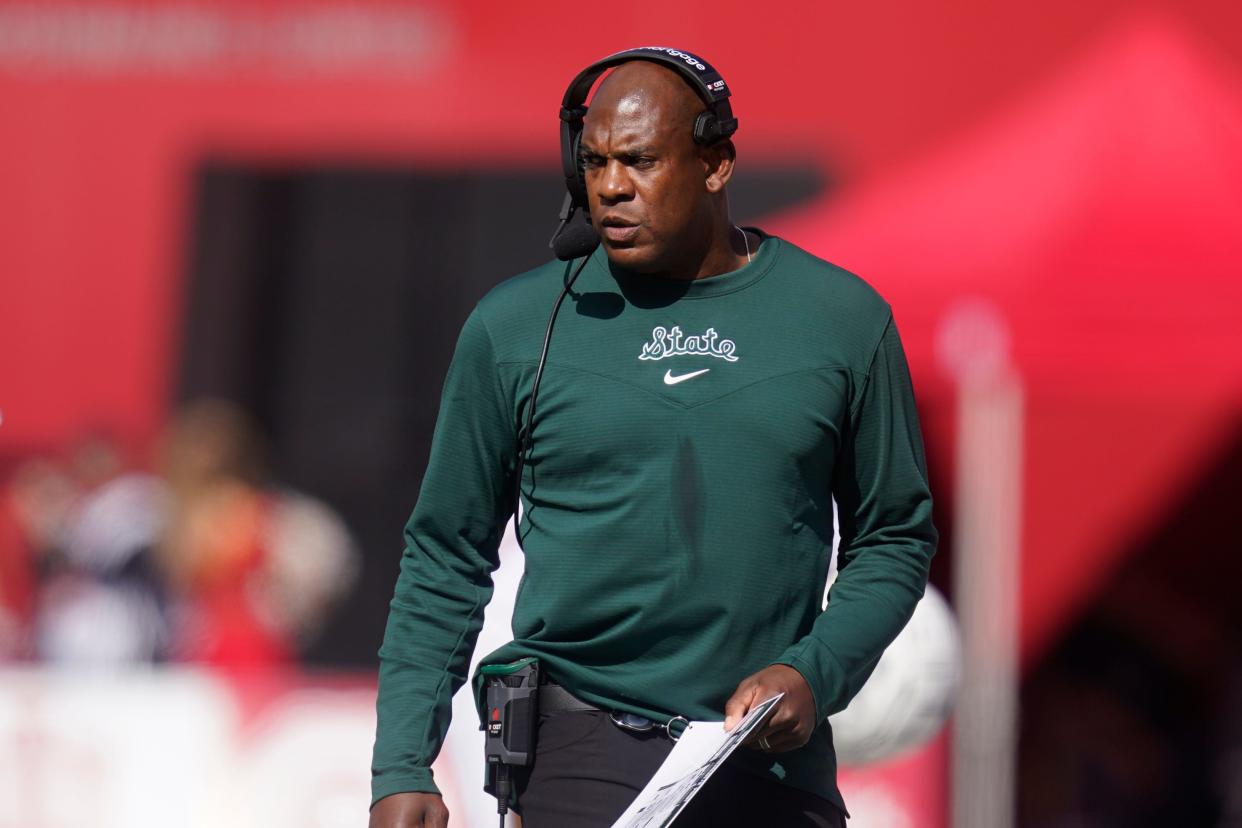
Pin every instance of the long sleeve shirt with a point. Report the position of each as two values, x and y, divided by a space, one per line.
689 440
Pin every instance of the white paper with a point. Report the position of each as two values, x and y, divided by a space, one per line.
702 748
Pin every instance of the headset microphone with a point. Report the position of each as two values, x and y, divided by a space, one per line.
576 240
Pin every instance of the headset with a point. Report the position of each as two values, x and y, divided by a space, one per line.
713 124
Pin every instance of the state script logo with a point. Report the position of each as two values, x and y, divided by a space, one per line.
667 343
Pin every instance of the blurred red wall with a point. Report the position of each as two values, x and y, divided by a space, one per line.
109 107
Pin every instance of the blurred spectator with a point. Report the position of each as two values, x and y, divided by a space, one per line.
205 562
103 603
33 510
255 569
100 602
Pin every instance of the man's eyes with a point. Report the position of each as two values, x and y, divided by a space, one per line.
642 162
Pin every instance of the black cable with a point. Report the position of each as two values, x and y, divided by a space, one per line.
502 791
524 437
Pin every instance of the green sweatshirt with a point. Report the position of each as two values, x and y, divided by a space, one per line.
689 439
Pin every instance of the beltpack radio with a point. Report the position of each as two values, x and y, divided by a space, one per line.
512 696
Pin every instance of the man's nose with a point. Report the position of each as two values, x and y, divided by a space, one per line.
615 184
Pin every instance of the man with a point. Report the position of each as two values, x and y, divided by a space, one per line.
708 392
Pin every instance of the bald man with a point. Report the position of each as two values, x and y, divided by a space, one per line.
697 418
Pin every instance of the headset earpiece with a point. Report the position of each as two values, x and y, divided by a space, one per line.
706 128
580 166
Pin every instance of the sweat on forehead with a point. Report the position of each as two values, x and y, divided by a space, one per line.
651 86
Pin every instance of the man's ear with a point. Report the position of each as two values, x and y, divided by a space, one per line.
718 164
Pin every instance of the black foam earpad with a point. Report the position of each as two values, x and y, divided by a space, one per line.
577 184
706 128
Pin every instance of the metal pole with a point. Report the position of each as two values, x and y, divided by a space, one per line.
974 346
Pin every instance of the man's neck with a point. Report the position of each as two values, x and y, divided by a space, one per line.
730 248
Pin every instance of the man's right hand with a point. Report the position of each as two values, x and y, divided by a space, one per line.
410 810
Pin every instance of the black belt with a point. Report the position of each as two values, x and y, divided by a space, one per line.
556 699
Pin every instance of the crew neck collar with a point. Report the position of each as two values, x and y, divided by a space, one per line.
761 262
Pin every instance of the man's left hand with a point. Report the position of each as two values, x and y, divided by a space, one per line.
793 721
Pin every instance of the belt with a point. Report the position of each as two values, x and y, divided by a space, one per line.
556 699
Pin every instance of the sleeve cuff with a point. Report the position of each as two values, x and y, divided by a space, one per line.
417 780
825 689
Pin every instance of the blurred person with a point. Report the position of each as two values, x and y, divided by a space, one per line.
678 514
96 458
103 604
100 600
33 510
255 568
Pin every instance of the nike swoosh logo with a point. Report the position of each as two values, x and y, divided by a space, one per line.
669 379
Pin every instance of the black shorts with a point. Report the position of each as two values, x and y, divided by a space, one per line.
588 770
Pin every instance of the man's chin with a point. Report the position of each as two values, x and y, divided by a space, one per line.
634 258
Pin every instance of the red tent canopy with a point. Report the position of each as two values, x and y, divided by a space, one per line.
1102 218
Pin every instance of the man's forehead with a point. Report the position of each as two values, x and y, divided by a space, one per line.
631 121
642 98
643 84
633 104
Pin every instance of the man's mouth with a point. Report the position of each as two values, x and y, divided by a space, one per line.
618 230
